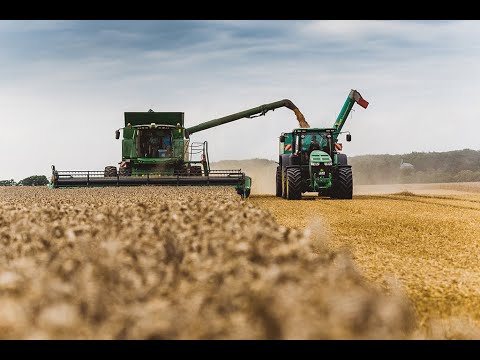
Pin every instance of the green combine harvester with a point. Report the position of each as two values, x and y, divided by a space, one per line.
156 150
310 159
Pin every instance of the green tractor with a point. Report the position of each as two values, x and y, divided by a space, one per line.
156 150
310 159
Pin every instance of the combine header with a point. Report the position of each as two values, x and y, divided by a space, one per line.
156 150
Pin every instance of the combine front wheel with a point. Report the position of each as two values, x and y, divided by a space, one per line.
124 171
110 171
196 171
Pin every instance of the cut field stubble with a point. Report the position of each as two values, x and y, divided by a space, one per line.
429 244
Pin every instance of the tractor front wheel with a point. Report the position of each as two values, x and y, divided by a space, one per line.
110 171
344 184
294 184
278 189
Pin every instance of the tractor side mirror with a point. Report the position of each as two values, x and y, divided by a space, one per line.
117 134
282 138
349 137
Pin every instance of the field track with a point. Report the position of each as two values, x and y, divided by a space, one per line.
429 244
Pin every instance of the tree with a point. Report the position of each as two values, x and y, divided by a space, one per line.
10 182
35 180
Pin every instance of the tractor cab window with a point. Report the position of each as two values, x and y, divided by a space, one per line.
312 142
305 142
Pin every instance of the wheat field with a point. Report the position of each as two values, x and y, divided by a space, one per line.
428 244
201 263
178 263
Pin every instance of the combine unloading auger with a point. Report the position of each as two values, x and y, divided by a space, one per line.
156 150
251 113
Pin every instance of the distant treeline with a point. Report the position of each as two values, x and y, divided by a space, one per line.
428 167
34 180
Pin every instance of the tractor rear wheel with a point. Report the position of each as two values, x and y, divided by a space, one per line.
294 184
344 184
278 181
110 171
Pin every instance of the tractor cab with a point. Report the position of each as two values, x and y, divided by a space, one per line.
300 143
310 161
309 141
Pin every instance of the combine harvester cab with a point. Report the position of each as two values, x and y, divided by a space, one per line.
156 150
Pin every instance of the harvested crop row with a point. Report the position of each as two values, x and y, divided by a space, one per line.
429 243
176 263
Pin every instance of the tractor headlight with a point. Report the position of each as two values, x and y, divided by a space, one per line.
328 163
315 164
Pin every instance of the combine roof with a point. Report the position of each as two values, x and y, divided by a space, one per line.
148 117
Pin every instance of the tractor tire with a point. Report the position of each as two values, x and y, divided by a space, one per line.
122 171
344 184
294 184
278 182
195 171
110 171
284 183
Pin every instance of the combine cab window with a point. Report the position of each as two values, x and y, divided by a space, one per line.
154 143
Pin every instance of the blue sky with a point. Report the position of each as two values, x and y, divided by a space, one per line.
65 84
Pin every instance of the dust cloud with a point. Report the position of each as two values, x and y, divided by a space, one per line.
262 172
